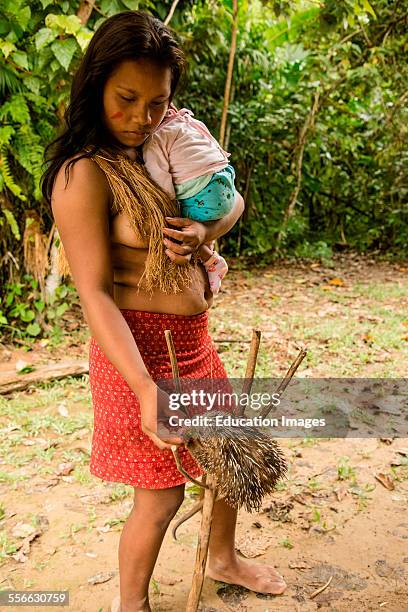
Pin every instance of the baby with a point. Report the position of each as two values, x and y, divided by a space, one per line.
188 163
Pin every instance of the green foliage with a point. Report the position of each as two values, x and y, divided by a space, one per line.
25 315
351 186
353 180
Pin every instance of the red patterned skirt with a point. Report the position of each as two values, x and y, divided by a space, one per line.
121 452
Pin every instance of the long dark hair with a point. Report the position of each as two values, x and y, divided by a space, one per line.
126 35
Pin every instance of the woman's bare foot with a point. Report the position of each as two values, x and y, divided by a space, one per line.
259 578
136 607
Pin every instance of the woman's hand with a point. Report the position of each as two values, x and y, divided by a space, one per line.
153 402
190 236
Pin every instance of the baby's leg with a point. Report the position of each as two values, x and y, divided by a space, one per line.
206 251
215 265
140 543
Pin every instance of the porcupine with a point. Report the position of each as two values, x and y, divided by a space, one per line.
245 461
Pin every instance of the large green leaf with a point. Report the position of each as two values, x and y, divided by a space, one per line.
64 51
20 59
7 47
69 24
44 37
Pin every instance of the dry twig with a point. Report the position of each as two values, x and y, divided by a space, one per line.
321 589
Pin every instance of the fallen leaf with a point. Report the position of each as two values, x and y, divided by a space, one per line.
279 511
65 468
341 492
63 410
336 282
22 367
300 564
23 549
167 580
253 545
386 481
22 530
101 577
42 486
20 556
301 498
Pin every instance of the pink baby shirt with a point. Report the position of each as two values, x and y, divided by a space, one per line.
180 149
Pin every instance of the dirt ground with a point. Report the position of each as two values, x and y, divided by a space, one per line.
340 515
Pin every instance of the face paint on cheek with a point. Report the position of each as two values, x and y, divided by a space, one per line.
117 115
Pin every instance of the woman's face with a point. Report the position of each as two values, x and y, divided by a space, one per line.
135 99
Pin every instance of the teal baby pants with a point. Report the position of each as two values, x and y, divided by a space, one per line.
214 201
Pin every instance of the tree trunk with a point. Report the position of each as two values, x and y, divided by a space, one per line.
230 68
85 10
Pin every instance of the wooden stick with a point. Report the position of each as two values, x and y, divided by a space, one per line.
176 377
286 380
173 359
289 374
10 382
251 365
202 546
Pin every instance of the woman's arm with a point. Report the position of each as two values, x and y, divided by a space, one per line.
81 213
192 234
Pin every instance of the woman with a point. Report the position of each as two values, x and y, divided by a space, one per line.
133 287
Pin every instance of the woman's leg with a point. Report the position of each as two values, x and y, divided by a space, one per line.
226 566
140 543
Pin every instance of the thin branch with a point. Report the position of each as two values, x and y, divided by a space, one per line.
230 68
285 381
307 126
173 359
321 589
171 12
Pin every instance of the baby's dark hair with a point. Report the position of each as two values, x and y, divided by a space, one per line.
124 36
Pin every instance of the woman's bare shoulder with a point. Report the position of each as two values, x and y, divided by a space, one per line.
78 172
